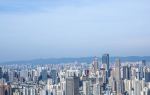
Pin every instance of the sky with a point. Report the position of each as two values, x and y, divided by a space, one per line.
31 29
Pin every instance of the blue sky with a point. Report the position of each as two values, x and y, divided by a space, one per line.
73 28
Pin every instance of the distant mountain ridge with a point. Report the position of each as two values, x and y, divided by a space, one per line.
80 59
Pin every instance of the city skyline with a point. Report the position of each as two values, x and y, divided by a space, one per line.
74 47
95 78
54 29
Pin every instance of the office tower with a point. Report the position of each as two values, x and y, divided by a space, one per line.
11 76
53 75
72 85
105 60
147 76
143 63
112 83
6 76
1 73
24 74
128 86
117 70
86 87
118 87
126 71
95 65
137 87
137 74
141 69
141 72
34 75
44 75
103 74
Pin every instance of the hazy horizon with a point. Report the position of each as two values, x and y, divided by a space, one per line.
73 28
83 59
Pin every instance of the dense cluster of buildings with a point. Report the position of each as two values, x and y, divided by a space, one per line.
97 78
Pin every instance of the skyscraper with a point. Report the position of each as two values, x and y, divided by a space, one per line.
86 87
44 75
105 60
95 64
1 73
72 85
117 70
53 75
126 71
141 67
147 75
143 63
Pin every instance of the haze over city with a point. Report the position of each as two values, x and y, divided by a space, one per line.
73 28
74 47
